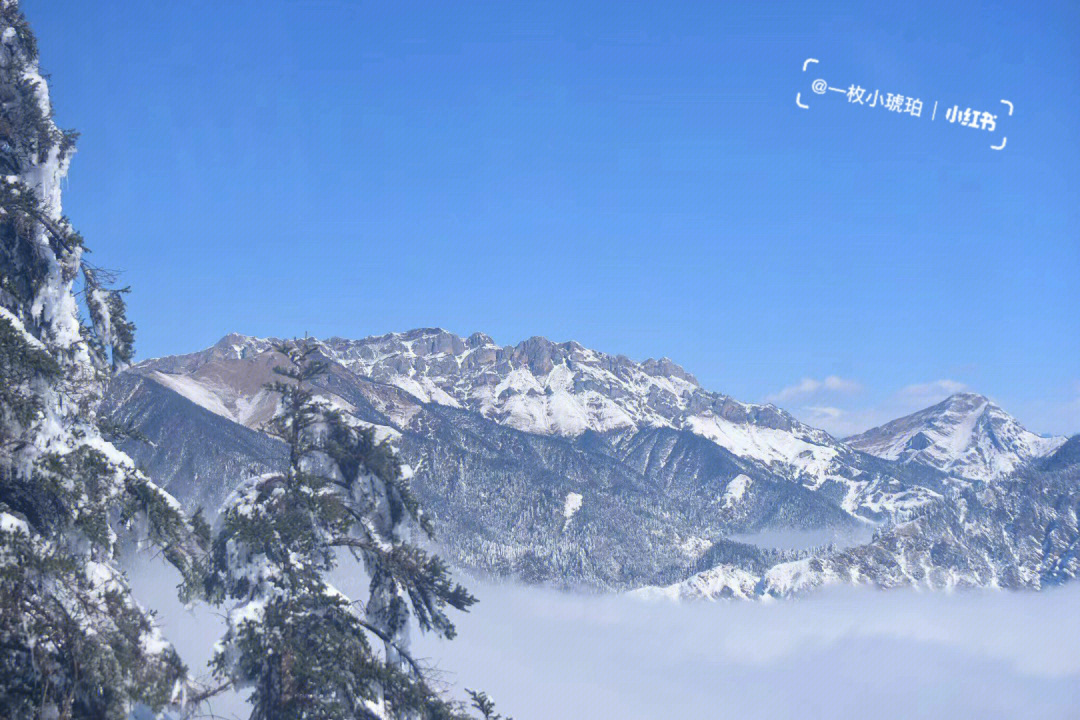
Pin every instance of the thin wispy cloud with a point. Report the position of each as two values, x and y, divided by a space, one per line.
826 413
934 390
810 386
843 418
841 423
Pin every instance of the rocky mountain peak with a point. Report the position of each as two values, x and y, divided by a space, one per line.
666 367
966 434
965 400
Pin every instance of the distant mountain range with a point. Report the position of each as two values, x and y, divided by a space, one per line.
560 464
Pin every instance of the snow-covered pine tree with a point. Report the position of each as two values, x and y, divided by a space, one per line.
303 648
73 642
484 705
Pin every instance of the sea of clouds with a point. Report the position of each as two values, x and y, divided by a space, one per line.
844 652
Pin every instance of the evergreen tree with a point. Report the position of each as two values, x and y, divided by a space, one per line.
303 648
485 705
73 642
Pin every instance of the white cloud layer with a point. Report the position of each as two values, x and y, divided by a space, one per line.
842 653
809 386
841 423
932 392
844 421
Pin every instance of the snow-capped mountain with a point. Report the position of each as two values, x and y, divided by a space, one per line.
545 388
965 435
546 461
516 452
1016 532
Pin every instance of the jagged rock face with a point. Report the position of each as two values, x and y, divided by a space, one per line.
1015 532
545 388
648 504
965 435
652 496
504 440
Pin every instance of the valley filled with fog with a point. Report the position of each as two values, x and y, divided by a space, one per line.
843 652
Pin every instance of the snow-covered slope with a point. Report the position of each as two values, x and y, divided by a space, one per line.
717 583
537 386
557 463
1019 531
965 435
559 390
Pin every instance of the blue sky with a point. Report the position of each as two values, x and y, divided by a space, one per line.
634 176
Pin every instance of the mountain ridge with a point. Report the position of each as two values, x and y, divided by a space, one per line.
966 433
564 388
552 388
503 440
